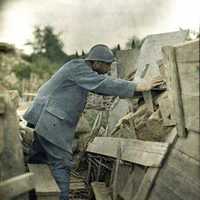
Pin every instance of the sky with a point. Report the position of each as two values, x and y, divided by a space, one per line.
86 23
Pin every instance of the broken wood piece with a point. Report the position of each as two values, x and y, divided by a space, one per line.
16 186
100 190
136 151
46 187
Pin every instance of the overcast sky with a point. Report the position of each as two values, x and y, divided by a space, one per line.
84 23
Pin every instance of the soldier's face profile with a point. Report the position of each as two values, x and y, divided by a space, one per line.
104 67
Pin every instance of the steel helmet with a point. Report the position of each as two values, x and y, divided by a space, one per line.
100 52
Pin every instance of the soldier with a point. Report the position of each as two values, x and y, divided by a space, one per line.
59 103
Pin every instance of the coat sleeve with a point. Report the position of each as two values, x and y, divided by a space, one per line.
90 80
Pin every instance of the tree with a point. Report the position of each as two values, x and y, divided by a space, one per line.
48 44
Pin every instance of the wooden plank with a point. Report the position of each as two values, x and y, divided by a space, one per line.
151 174
16 186
45 183
146 184
146 145
135 151
189 78
191 112
190 147
169 54
133 183
185 164
178 179
188 52
124 174
161 192
100 190
181 184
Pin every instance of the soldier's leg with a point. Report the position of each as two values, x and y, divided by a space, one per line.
60 163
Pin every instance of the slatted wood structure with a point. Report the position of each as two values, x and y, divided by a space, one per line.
145 153
179 177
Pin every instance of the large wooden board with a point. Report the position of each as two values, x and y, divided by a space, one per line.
136 151
16 186
178 179
191 146
45 183
188 51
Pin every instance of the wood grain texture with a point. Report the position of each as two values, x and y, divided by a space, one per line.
132 150
188 51
152 173
170 56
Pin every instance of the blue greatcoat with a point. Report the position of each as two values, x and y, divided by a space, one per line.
56 109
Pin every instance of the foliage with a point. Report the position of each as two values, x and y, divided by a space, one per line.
22 71
47 44
42 66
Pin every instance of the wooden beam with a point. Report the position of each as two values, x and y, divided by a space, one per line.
170 56
13 187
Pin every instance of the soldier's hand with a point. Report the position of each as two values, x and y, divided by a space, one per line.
146 85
